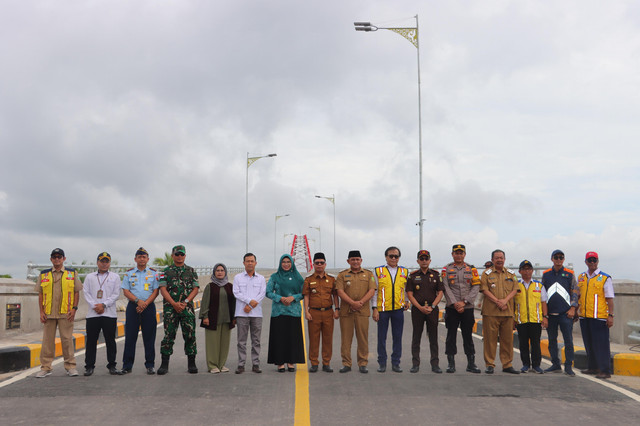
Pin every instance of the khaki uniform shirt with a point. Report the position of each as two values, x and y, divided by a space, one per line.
56 297
320 289
500 284
356 285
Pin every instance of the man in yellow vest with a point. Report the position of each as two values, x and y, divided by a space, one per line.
389 303
58 295
595 308
530 316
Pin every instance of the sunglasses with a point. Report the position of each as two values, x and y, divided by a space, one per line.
56 256
424 258
320 262
592 260
394 256
558 257
179 254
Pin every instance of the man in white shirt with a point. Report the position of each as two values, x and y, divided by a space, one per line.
101 290
249 288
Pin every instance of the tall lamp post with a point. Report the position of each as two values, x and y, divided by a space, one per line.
250 161
319 237
275 224
333 201
411 34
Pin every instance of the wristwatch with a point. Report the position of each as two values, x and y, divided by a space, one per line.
136 301
546 316
74 307
337 308
611 315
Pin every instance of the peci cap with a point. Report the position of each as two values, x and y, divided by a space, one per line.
525 264
457 247
319 256
424 253
591 254
354 253
557 251
178 249
141 250
104 255
57 251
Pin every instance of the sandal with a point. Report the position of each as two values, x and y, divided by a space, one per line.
281 369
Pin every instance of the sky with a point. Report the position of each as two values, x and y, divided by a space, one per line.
128 123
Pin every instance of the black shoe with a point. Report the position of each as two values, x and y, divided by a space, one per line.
256 369
396 369
415 369
510 370
127 371
115 372
281 369
164 367
569 371
382 369
291 369
345 369
327 369
88 371
363 369
314 369
471 364
451 368
191 364
489 370
436 369
150 371
239 370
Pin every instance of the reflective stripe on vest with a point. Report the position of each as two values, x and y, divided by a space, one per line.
391 289
593 304
528 303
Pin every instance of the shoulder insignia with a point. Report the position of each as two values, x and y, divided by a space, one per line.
546 270
69 269
153 269
511 271
130 269
569 270
415 272
488 271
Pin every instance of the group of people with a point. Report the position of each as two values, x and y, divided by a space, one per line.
354 295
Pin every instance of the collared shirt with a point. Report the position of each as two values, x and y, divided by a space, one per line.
543 292
425 285
500 284
356 285
393 273
140 283
56 296
109 285
320 289
608 285
461 283
247 288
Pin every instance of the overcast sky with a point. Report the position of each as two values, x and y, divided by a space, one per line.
127 124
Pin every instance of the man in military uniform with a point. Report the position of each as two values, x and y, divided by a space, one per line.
320 297
140 286
178 286
425 290
355 287
461 285
499 286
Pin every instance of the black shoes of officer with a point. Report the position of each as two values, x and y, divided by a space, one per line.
363 369
115 372
382 369
396 369
327 369
314 369
191 364
436 369
451 368
415 369
126 370
164 367
150 371
345 369
88 371
510 370
471 364
489 370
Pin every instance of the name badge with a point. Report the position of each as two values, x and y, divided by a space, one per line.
99 295
146 286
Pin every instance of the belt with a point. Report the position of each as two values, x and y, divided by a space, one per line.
322 309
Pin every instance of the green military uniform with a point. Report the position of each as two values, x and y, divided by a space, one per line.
179 282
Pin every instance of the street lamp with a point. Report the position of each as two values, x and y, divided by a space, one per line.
275 224
411 34
333 201
250 161
319 237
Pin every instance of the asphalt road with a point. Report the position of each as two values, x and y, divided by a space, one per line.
270 397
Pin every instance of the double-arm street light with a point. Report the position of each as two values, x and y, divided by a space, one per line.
411 34
250 161
319 237
275 224
333 201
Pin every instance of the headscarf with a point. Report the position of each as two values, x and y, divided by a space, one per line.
283 276
220 282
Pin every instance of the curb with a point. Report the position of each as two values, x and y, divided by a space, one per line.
23 357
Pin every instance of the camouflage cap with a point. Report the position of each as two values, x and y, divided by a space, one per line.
178 249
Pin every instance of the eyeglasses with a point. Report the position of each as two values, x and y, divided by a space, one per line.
56 256
394 256
424 258
592 260
179 254
558 257
320 262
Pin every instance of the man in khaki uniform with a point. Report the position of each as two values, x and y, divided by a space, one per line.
355 286
499 286
319 291
58 294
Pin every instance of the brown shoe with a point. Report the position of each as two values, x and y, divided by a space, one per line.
603 376
590 372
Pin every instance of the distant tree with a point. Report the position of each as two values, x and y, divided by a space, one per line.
163 261
5 276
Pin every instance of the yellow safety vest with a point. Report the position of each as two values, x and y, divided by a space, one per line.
528 303
391 292
592 301
68 284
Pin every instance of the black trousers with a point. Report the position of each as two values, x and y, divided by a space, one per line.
418 319
108 327
529 335
466 320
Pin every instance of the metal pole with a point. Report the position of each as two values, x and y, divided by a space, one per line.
334 230
420 218
246 213
275 225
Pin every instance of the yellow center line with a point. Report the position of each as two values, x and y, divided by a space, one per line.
302 414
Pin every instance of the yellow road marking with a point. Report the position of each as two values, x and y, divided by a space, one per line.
302 414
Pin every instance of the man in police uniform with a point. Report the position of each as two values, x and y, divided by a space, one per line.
140 286
355 287
425 290
389 303
562 303
461 285
58 296
179 286
499 286
320 297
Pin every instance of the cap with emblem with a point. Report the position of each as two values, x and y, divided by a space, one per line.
557 251
525 264
57 251
319 256
354 253
457 247
104 255
141 251
424 253
178 249
591 254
